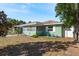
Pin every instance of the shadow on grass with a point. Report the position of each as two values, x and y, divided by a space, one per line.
34 48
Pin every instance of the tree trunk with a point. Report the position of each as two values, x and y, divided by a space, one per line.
77 21
76 32
77 36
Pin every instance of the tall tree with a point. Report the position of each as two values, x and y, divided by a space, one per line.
68 14
6 23
3 22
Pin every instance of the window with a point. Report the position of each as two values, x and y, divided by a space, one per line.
40 28
50 28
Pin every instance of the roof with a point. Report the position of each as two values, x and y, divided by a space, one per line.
30 24
50 22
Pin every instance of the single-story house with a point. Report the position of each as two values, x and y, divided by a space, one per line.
48 28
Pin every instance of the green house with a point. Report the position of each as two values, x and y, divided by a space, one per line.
48 28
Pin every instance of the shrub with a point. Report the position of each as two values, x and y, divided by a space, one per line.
35 36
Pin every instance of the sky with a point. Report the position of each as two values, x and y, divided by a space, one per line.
30 11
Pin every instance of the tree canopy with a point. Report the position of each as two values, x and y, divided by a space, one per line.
6 23
13 22
67 13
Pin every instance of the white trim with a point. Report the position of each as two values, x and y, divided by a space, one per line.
53 28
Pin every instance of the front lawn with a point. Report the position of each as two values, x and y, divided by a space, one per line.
13 40
24 45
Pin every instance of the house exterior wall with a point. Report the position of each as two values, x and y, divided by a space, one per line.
40 30
36 31
69 33
57 31
28 32
39 33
